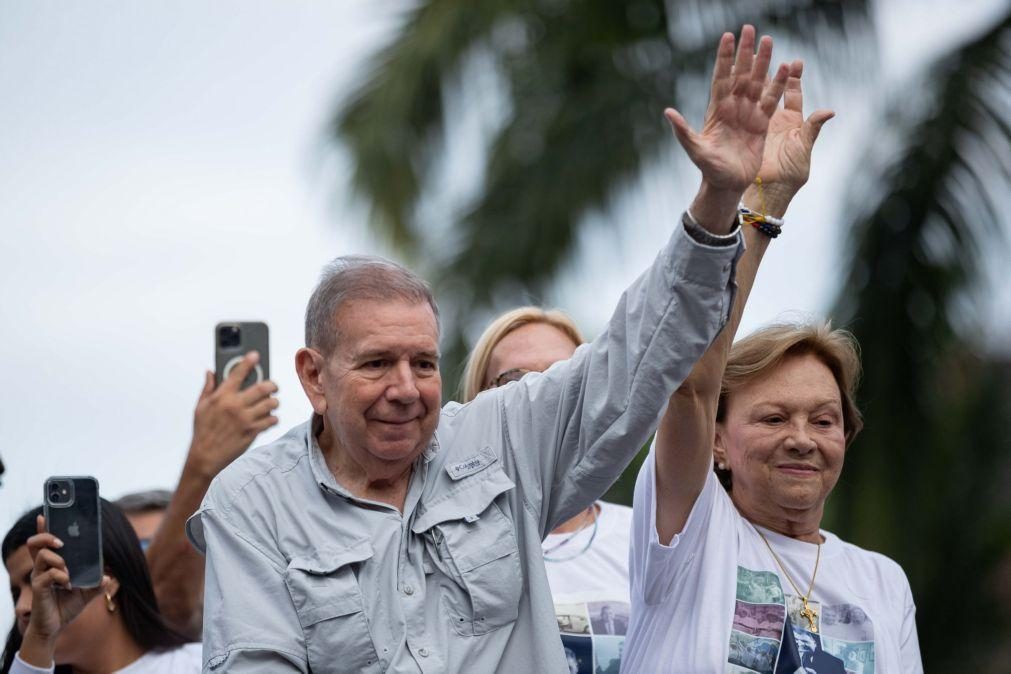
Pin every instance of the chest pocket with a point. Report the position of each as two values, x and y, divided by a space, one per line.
475 544
324 589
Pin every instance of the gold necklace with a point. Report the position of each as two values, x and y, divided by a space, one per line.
808 613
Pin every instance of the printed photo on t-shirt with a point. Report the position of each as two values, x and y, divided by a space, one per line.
578 653
813 658
572 618
610 618
754 653
607 654
758 587
759 620
593 634
847 621
857 657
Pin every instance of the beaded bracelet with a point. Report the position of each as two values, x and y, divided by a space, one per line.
766 224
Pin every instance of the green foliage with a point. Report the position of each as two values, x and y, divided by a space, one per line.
922 482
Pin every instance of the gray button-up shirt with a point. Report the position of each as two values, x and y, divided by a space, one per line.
301 575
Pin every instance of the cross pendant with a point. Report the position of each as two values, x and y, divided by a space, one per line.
809 614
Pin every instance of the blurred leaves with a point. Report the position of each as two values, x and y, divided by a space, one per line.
922 483
585 83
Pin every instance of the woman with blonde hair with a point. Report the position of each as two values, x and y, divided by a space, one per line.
586 557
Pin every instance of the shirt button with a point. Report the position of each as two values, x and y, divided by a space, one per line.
423 652
408 590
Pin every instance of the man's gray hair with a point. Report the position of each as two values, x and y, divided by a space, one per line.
144 501
358 277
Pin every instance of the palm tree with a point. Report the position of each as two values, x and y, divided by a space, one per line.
583 83
923 480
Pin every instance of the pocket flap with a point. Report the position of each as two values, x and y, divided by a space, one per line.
472 497
327 560
471 557
320 585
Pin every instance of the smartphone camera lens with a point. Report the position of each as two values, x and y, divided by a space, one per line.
229 336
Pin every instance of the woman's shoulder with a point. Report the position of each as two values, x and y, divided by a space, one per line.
868 560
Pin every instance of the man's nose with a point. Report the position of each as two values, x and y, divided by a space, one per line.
403 387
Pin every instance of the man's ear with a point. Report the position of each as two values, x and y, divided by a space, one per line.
310 365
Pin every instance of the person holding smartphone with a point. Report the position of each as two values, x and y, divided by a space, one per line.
227 419
114 627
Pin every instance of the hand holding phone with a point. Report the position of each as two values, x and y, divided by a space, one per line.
228 417
66 574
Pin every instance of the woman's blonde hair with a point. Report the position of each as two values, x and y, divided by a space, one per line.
476 373
758 353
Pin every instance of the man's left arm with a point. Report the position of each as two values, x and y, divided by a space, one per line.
573 429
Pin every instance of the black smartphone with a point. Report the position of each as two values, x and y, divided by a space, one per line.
74 515
232 341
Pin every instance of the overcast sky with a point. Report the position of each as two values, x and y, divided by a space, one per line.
159 172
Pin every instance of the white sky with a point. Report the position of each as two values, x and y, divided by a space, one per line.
159 172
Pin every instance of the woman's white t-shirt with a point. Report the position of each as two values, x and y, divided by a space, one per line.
588 575
184 660
715 600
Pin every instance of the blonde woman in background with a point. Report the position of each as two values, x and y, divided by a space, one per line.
586 557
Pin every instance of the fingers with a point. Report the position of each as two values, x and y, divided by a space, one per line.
793 99
263 424
774 91
724 67
257 392
812 126
683 132
49 569
241 370
264 407
43 539
208 385
745 57
760 69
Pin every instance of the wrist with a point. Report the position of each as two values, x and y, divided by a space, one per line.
773 199
37 649
715 208
200 464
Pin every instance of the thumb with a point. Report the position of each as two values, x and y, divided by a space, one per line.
812 127
682 131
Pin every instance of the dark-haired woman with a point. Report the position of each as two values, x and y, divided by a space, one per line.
112 628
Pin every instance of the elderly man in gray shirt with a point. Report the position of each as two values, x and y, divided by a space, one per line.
387 535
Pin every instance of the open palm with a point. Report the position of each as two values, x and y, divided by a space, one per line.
790 139
729 148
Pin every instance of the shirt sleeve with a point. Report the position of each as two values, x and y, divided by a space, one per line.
574 428
19 666
250 623
653 566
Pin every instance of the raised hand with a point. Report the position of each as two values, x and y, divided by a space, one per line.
54 602
730 146
227 419
786 162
